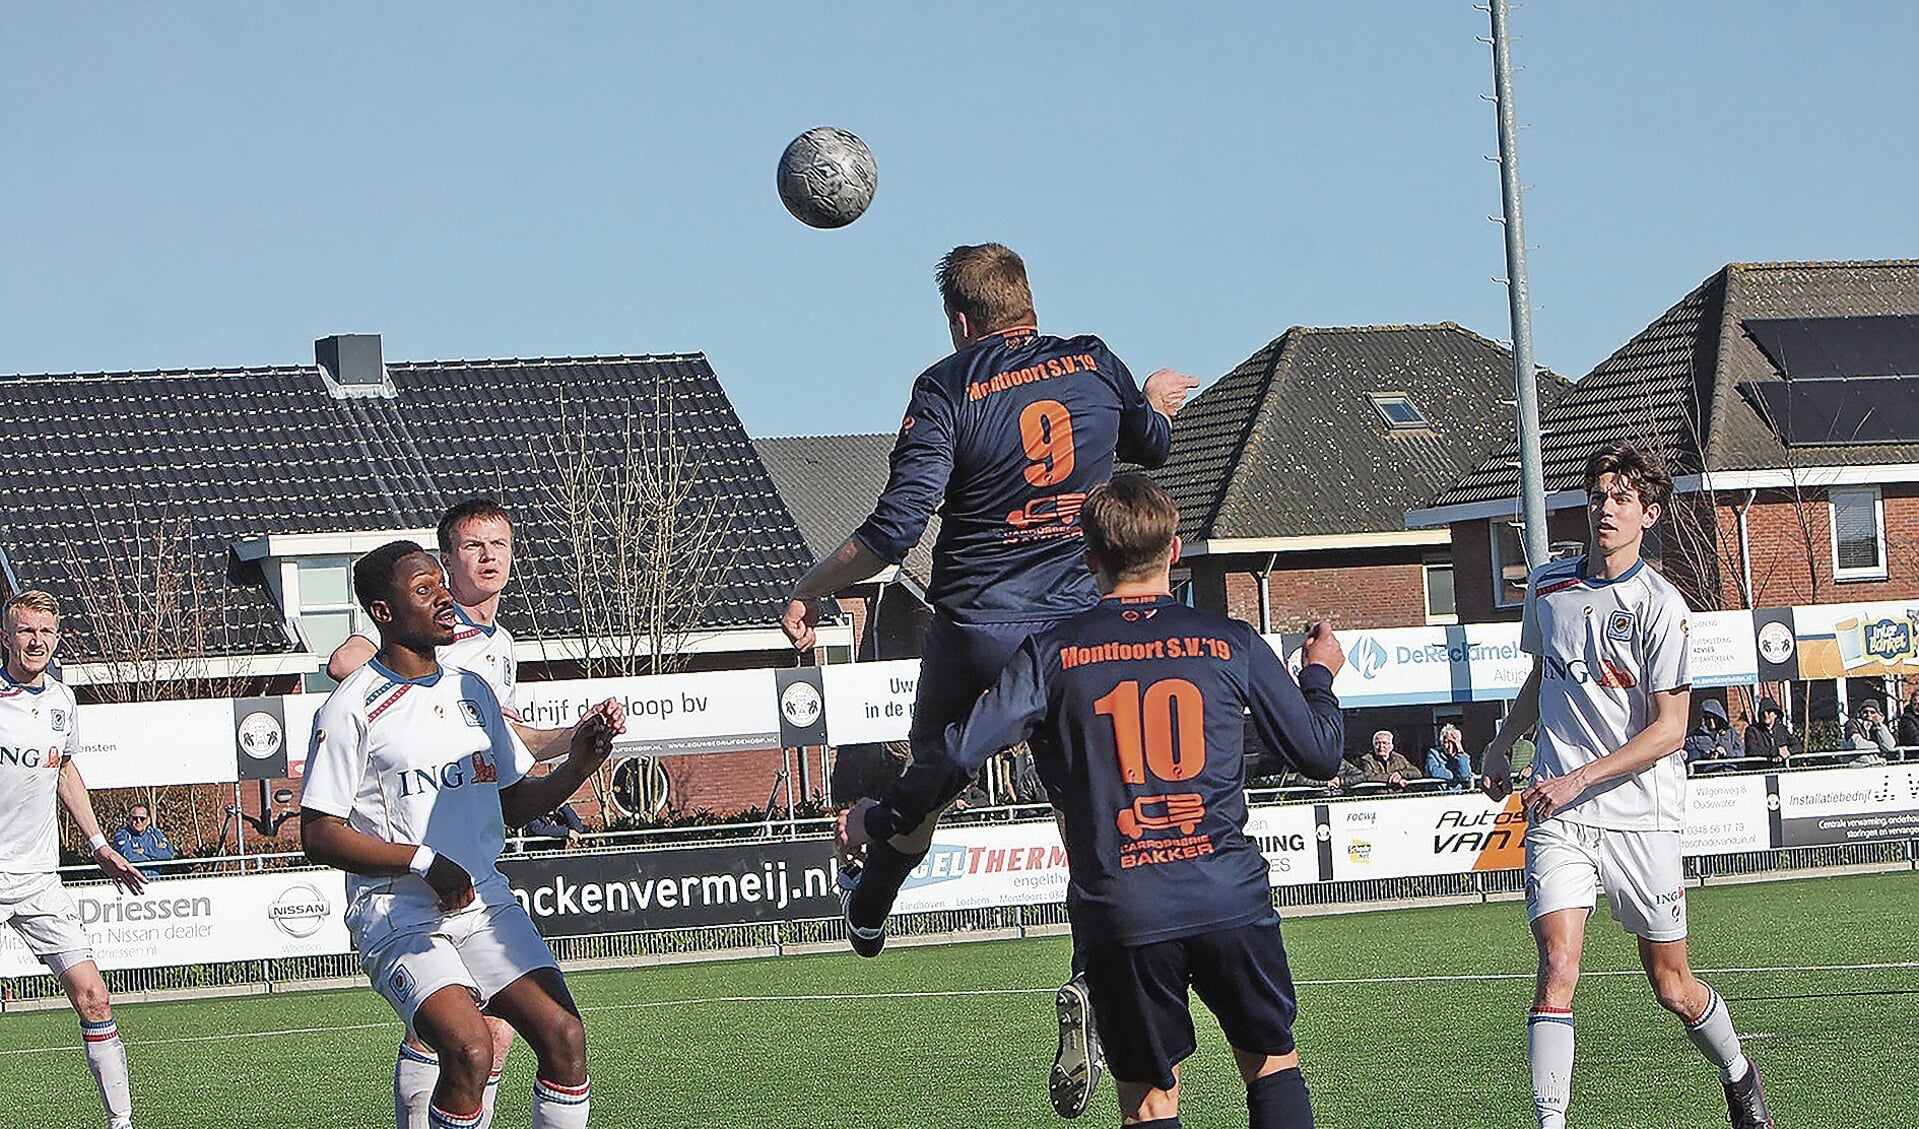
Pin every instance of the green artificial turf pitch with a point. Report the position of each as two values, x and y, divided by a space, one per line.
1409 1017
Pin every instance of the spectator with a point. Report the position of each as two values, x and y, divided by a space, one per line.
562 825
1379 765
140 842
1714 739
1451 762
1867 733
1770 737
1909 722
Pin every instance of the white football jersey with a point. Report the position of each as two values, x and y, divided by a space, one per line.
485 650
1605 647
36 735
417 761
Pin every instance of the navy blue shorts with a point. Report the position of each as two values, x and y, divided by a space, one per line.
958 663
1140 1005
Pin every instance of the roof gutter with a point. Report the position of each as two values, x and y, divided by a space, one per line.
1387 539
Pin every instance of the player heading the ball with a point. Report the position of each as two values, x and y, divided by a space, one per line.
1610 692
411 772
1005 436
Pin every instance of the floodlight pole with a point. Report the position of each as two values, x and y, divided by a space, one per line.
1532 483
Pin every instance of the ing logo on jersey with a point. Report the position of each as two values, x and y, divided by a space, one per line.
483 770
1619 625
470 710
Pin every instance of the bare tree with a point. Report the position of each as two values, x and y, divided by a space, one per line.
645 544
155 626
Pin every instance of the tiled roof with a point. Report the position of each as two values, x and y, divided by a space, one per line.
100 465
1673 388
830 483
1291 444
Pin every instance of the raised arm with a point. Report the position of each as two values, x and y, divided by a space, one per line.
1301 720
530 797
349 657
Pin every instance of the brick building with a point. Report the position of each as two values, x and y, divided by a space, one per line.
1785 398
1294 473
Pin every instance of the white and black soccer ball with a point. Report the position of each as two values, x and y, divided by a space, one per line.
827 177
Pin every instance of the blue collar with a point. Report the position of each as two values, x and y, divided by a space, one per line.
386 672
1600 582
486 629
8 678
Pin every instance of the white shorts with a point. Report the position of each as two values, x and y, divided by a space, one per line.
408 954
1642 872
43 913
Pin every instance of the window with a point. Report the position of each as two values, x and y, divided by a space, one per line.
1440 607
1509 564
328 612
1858 534
1398 411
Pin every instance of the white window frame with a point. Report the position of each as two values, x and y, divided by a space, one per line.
1426 568
1499 565
1874 572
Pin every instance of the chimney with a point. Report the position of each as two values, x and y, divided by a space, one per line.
352 365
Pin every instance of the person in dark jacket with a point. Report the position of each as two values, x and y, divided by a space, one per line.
1770 737
1713 739
1909 723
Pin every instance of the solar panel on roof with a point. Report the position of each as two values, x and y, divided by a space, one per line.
1827 413
1814 348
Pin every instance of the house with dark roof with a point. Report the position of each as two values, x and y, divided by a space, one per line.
1785 399
201 525
1294 472
829 484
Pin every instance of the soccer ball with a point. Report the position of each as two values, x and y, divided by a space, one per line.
827 177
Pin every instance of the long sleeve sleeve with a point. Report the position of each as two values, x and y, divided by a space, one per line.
1299 720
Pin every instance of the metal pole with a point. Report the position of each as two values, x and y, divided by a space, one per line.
1532 483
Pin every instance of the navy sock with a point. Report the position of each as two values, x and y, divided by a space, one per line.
880 881
1279 1101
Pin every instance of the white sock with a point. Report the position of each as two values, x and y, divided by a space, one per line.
1549 1055
560 1107
1712 1033
415 1073
487 1097
107 1058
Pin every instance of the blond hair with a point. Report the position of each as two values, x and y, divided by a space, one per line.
987 283
33 599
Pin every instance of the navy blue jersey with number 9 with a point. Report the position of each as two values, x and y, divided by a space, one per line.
1005 437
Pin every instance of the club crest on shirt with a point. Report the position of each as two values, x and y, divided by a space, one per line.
470 710
59 721
1619 625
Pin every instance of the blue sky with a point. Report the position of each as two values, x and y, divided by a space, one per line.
201 184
